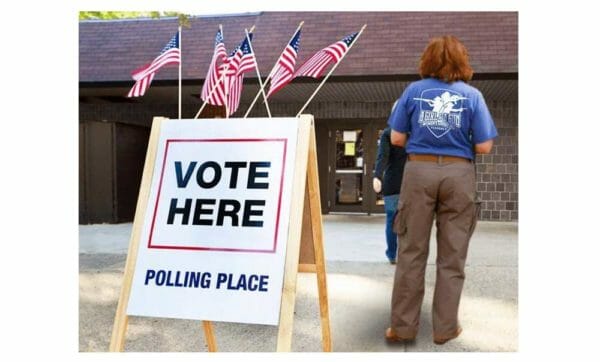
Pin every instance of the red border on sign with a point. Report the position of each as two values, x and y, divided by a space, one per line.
175 247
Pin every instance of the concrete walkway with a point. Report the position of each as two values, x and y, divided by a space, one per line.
359 286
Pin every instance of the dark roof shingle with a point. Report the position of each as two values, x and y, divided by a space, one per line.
391 44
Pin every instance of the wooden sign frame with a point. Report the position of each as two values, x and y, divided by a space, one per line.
304 250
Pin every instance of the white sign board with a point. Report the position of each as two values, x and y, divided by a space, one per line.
214 236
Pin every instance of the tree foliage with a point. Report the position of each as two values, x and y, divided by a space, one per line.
110 15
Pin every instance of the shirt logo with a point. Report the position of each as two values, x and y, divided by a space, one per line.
440 113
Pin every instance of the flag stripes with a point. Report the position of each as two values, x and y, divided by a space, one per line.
172 56
235 92
284 69
143 76
140 86
282 77
315 66
240 61
213 92
247 63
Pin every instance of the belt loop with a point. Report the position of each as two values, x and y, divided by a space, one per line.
439 159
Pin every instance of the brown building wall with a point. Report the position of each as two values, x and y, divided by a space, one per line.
97 172
497 173
111 160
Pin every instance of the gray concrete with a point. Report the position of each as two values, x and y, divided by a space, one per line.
359 286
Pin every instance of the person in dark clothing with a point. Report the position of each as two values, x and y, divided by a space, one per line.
389 168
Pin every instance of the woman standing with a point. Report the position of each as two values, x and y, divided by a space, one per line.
442 122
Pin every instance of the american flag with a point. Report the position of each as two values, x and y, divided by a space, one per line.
315 66
215 71
143 76
284 69
240 61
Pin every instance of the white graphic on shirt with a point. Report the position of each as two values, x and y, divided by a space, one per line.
445 112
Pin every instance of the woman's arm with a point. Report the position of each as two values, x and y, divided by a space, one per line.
398 138
484 147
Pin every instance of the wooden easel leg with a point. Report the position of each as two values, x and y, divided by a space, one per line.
288 296
314 201
286 321
307 268
117 340
324 309
209 336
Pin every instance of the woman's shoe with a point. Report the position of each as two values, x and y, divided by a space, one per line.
444 340
391 336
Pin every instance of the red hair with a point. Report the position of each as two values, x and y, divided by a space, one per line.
447 59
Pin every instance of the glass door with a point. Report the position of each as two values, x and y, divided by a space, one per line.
349 169
352 156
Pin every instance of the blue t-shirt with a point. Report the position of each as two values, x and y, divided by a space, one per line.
442 118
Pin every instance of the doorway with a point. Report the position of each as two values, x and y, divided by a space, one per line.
352 156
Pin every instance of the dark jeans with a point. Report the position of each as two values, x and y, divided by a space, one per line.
391 205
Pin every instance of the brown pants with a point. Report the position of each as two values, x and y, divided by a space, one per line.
448 192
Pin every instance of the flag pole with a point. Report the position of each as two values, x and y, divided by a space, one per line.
271 72
331 71
226 88
215 86
258 74
180 61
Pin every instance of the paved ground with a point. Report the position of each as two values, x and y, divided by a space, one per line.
359 286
